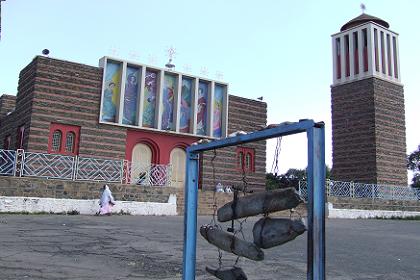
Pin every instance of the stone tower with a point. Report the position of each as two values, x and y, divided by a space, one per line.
367 104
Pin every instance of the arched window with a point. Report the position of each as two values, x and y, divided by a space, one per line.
248 161
70 142
56 141
240 160
245 159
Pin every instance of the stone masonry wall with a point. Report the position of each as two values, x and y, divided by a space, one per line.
70 93
368 132
246 115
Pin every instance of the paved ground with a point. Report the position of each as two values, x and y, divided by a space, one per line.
129 247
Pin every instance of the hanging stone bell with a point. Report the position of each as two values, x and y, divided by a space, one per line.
273 232
230 243
228 273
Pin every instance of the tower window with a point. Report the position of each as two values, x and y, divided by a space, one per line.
20 137
383 52
394 46
7 142
365 54
338 57
356 52
347 50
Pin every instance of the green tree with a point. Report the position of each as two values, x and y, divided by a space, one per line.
289 179
413 164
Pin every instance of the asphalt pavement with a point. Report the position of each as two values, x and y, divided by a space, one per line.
150 247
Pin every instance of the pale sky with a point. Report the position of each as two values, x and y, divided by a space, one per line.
277 49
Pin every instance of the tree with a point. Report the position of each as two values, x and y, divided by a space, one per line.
289 179
413 164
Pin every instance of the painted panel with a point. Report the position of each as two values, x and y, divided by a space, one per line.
111 96
150 94
186 108
170 85
219 92
202 98
131 95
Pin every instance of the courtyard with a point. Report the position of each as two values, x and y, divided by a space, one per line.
150 247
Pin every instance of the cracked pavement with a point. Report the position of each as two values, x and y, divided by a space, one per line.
150 247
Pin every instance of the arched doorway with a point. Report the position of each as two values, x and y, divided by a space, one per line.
177 160
141 159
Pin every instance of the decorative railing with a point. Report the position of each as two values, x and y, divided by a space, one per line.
53 166
7 162
360 190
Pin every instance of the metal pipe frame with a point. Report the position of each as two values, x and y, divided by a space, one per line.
316 192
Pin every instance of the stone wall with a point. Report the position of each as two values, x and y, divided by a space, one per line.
377 204
243 115
7 105
368 132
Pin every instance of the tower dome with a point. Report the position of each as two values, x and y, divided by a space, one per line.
363 18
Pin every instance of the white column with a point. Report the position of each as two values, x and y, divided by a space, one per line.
343 58
120 111
140 100
334 54
370 49
379 52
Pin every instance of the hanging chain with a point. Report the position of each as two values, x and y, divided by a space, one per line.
213 221
275 165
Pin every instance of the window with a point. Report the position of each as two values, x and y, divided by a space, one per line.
64 139
245 159
7 142
70 142
56 141
20 137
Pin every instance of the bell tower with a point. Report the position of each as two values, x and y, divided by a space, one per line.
367 104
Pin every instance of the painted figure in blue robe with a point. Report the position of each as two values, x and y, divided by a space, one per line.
168 101
184 122
130 100
150 100
108 107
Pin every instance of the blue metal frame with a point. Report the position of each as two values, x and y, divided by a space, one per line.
316 192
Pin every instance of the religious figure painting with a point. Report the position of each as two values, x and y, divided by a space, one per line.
149 104
111 98
169 91
131 95
203 89
186 98
219 92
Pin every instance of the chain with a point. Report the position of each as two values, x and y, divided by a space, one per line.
275 165
213 221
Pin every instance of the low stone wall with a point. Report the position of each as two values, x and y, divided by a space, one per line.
377 204
39 187
367 214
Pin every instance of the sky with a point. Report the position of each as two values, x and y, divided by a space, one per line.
280 50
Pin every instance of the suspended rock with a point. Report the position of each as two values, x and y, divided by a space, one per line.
273 232
228 273
259 203
230 243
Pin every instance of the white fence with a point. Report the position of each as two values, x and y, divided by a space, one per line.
360 190
25 164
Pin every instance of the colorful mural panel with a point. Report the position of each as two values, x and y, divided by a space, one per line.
131 95
219 93
170 85
186 109
202 98
150 94
111 96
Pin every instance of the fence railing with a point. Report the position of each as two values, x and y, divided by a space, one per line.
360 190
52 166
